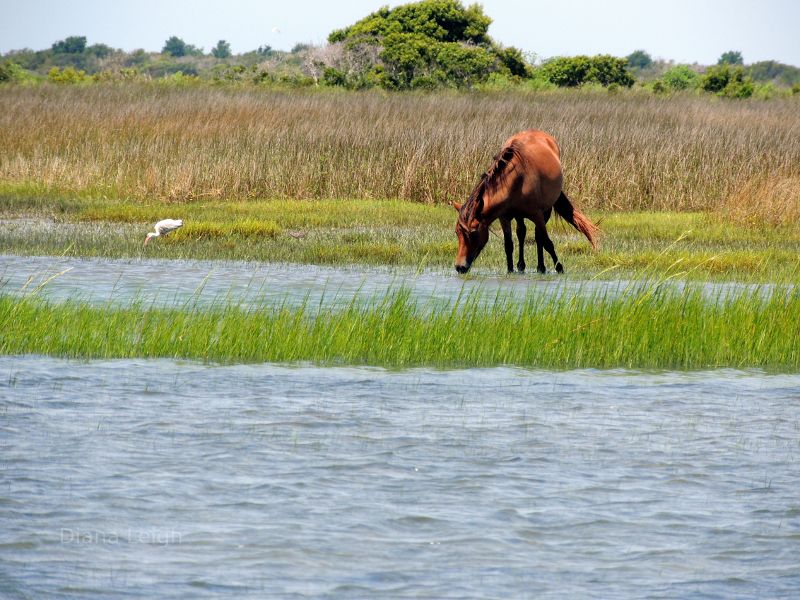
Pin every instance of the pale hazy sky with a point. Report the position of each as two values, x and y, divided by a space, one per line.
682 30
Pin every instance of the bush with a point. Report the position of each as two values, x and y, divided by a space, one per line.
68 75
579 70
727 81
680 77
10 72
420 46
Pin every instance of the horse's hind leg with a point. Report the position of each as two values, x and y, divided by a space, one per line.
539 252
521 231
508 243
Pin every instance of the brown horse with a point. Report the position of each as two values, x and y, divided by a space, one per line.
524 182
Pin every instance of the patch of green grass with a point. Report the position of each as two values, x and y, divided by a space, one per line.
391 232
651 326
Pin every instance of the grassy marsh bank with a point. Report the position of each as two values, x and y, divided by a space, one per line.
651 327
386 232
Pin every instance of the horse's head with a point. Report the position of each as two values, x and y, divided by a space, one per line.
472 237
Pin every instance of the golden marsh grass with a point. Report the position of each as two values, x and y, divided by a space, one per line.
627 151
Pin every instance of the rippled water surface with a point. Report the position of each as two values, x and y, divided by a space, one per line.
174 281
157 479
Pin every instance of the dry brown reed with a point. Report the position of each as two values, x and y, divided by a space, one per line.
626 151
764 199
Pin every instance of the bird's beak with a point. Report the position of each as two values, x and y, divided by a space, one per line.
147 239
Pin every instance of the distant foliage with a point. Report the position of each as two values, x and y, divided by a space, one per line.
731 57
221 50
680 77
67 75
574 71
774 71
11 72
639 59
71 45
175 46
727 81
422 45
100 50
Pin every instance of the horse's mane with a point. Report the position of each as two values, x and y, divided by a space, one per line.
493 176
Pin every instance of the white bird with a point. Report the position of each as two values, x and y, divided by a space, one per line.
163 228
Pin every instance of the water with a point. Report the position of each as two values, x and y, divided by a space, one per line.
170 282
162 479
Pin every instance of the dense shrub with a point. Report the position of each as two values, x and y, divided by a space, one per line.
10 71
67 75
727 81
579 70
421 45
680 77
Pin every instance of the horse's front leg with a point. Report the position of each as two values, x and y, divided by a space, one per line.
508 243
521 231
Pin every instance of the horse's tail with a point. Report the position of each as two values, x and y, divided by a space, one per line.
577 219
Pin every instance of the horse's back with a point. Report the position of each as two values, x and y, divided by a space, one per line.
541 167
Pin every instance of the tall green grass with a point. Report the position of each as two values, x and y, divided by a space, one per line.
652 326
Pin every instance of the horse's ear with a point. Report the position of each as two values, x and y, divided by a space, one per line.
456 205
479 208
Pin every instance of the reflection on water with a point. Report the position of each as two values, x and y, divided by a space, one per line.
157 479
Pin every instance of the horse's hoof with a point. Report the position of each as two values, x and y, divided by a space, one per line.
520 269
541 270
559 268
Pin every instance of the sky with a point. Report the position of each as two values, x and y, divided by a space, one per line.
685 31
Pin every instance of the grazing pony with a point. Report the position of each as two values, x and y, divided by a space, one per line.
524 182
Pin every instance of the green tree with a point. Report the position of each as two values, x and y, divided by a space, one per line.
221 50
731 57
72 45
175 46
422 45
639 59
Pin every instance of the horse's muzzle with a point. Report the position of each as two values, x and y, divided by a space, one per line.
462 269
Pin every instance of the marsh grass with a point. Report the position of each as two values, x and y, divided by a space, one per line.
391 232
151 144
774 201
650 326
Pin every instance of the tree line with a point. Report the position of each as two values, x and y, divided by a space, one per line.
430 44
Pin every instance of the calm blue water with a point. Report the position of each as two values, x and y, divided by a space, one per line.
161 479
254 284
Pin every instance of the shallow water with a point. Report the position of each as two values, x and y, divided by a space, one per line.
180 480
252 284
